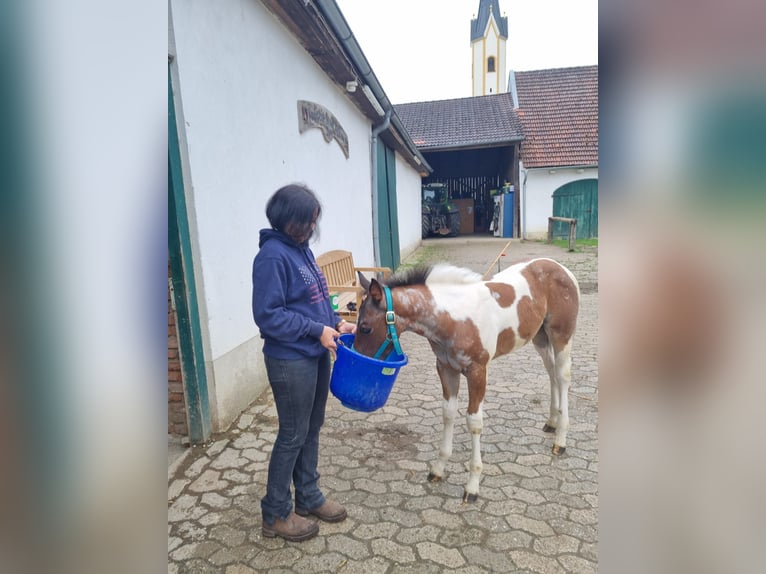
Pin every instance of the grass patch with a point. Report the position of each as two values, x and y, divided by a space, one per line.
592 242
424 254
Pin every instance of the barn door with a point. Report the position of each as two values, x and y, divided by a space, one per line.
578 200
388 224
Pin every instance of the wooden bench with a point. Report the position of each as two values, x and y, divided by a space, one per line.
339 270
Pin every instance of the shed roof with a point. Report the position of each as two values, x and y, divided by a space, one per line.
480 121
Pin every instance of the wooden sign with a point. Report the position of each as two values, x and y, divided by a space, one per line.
313 115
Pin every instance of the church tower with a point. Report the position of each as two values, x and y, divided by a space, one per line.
489 32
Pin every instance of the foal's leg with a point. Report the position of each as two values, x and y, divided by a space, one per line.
545 349
477 384
563 380
450 379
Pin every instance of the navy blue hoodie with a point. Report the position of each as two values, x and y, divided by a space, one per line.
291 304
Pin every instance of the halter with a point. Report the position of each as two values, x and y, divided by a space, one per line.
391 336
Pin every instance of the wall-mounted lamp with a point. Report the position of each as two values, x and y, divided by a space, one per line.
580 170
351 86
551 171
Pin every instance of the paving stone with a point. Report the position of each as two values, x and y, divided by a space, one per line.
396 553
577 565
227 535
347 546
183 508
554 545
177 487
215 500
508 540
448 557
217 447
385 530
374 565
536 563
196 467
492 561
441 519
209 481
462 537
328 562
411 536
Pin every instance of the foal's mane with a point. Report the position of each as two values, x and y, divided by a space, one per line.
411 276
439 273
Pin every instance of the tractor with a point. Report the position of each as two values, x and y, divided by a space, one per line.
440 217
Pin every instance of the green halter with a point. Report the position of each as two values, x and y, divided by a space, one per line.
391 336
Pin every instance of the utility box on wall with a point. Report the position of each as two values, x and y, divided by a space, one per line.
502 221
508 214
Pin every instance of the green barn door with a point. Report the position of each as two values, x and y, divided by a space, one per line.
182 277
578 200
388 226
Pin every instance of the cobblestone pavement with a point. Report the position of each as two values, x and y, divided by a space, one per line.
535 513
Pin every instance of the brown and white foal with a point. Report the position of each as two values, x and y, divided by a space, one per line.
468 322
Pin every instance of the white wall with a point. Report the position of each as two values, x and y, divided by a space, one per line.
408 206
540 185
238 78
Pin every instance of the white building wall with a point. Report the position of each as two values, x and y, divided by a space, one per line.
408 184
536 202
239 75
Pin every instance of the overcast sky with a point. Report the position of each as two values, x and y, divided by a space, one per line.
420 50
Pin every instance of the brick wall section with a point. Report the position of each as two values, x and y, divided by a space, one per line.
176 399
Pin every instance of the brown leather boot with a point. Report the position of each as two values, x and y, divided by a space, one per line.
293 528
330 511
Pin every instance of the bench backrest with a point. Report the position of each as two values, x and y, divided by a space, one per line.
338 267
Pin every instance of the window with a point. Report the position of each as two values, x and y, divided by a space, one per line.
491 64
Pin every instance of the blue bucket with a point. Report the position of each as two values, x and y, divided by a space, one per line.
362 383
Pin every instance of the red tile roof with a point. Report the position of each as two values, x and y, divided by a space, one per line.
558 109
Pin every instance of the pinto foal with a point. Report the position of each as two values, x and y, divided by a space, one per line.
468 322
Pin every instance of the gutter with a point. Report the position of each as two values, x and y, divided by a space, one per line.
372 88
524 211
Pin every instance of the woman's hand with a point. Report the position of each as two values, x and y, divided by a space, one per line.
328 339
344 327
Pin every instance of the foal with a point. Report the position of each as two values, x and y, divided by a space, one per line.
468 322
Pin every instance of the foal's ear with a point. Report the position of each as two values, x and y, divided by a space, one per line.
375 291
363 281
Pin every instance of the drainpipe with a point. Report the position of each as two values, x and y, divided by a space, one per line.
374 150
524 211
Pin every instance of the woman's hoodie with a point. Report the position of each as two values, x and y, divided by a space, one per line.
291 304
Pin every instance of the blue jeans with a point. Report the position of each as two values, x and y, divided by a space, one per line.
300 388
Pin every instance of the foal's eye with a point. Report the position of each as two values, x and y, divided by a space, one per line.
365 330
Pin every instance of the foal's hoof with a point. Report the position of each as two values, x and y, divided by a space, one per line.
559 450
548 428
469 498
433 478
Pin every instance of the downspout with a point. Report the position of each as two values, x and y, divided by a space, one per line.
374 150
524 210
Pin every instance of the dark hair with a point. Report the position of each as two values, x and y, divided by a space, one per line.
292 210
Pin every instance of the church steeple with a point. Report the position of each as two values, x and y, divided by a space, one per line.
489 32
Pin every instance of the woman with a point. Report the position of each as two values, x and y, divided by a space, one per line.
292 309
